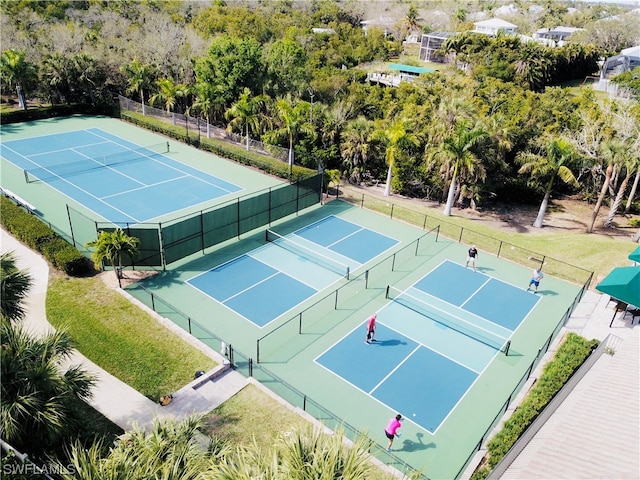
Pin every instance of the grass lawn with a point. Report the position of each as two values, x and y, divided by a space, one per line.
122 338
254 416
591 252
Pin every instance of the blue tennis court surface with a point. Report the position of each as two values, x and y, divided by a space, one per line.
115 178
428 352
271 280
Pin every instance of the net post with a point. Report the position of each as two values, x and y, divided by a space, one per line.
26 176
386 294
348 272
258 351
300 323
336 303
506 348
366 279
168 148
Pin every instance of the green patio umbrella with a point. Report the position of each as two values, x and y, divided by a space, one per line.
635 255
623 283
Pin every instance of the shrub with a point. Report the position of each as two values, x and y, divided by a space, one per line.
224 149
29 229
569 357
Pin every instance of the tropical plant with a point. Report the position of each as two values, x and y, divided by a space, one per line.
245 113
139 77
612 152
630 166
168 93
395 137
293 120
458 155
17 72
546 168
355 148
111 246
171 449
14 287
38 395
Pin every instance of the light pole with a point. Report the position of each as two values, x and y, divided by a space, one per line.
311 111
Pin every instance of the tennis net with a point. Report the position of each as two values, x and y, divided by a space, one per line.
304 251
64 170
469 329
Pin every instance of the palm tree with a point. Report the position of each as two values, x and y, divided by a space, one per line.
458 155
56 73
245 113
14 287
355 148
395 137
546 168
172 449
111 246
630 165
293 117
139 78
38 396
85 71
17 72
612 151
168 93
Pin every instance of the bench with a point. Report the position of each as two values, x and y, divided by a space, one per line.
19 200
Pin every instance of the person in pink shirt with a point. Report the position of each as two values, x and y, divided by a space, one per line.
371 328
392 430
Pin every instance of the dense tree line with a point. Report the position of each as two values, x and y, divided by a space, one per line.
258 68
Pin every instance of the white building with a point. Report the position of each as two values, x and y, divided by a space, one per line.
494 26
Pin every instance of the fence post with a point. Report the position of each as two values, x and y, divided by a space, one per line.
189 323
499 249
336 305
366 279
392 205
300 323
251 367
258 351
362 201
153 303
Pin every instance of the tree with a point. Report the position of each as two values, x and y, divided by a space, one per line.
630 165
14 287
139 78
231 65
172 449
395 137
18 73
111 246
168 93
547 168
457 155
245 113
293 118
355 148
612 152
38 396
56 72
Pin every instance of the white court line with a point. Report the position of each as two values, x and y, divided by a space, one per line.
68 148
77 187
173 167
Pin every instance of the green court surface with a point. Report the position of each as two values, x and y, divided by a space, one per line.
52 205
290 356
284 351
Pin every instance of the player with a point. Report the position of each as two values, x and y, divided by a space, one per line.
371 328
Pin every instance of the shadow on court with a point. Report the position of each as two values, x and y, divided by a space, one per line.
411 446
389 343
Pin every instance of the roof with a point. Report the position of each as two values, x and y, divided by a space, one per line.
635 255
410 68
495 23
631 51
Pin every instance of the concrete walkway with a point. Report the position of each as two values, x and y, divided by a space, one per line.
113 398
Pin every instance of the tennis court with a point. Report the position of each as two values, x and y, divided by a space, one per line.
428 352
271 280
115 178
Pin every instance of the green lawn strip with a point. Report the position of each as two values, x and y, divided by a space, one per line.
596 253
254 416
121 338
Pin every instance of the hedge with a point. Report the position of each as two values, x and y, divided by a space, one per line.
569 357
39 113
224 149
30 230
